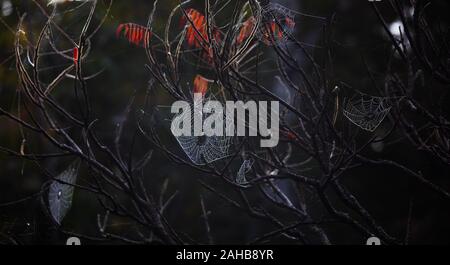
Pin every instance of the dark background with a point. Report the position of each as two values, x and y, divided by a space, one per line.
387 193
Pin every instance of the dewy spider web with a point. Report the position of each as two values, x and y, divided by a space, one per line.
367 112
204 149
60 194
244 169
278 24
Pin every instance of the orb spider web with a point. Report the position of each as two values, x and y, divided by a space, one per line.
243 170
61 193
278 24
367 112
204 149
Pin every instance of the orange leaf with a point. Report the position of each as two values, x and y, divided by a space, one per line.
200 85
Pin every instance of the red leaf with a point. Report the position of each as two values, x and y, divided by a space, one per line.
75 55
135 34
246 29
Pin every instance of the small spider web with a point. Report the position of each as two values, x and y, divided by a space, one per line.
204 149
367 112
243 170
60 194
281 16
